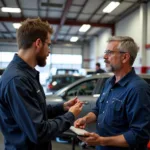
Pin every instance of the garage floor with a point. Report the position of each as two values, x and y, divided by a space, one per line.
55 145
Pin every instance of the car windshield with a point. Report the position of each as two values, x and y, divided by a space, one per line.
59 92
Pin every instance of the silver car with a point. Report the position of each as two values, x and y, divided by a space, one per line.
87 89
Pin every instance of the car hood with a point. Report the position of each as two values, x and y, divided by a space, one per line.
53 99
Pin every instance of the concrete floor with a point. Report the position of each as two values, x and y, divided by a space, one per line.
55 145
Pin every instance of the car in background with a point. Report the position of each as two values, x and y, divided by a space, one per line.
87 89
67 71
84 90
85 71
57 82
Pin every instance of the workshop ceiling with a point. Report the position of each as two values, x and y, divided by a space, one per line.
65 16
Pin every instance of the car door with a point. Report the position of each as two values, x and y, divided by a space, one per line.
83 91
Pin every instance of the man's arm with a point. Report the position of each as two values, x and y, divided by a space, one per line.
118 141
81 122
90 118
94 139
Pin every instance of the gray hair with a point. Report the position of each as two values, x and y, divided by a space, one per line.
126 44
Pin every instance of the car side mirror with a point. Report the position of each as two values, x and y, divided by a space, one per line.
63 95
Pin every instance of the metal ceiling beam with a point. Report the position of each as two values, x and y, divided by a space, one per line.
4 4
18 3
48 1
63 18
85 2
38 6
57 21
129 10
100 6
67 34
63 34
3 24
105 14
11 41
7 29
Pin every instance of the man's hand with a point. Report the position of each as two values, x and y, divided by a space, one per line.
80 123
92 139
76 109
70 103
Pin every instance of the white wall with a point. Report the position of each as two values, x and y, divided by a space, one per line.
97 48
85 55
148 34
92 53
102 43
8 47
148 23
130 26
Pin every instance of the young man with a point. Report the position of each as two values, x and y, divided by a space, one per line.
122 111
24 116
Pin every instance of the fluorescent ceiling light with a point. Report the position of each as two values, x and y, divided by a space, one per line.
16 25
74 39
84 27
10 10
111 6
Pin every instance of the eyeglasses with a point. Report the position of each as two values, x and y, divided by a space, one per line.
109 52
49 45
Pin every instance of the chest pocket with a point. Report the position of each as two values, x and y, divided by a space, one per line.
114 112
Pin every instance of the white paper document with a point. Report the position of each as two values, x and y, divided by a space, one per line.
78 131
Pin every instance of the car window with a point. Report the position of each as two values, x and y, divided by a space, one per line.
66 71
99 86
65 79
85 88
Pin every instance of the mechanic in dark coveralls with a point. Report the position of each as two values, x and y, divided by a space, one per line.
24 117
122 111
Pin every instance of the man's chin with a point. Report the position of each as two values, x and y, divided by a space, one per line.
108 69
42 64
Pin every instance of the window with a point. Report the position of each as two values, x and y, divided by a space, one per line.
85 88
5 58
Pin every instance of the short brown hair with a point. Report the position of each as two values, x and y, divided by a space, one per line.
30 30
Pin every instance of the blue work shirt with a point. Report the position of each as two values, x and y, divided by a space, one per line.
124 108
23 112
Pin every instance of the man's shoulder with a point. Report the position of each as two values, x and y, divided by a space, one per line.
11 72
138 82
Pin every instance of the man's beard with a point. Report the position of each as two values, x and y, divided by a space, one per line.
41 61
112 68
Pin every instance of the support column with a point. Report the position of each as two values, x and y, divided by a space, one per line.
143 34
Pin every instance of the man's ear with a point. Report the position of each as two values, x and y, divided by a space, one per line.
38 44
126 57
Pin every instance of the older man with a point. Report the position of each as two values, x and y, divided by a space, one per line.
122 111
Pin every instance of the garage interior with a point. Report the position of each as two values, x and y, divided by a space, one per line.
80 49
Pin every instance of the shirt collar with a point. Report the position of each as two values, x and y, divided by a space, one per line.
24 65
127 78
